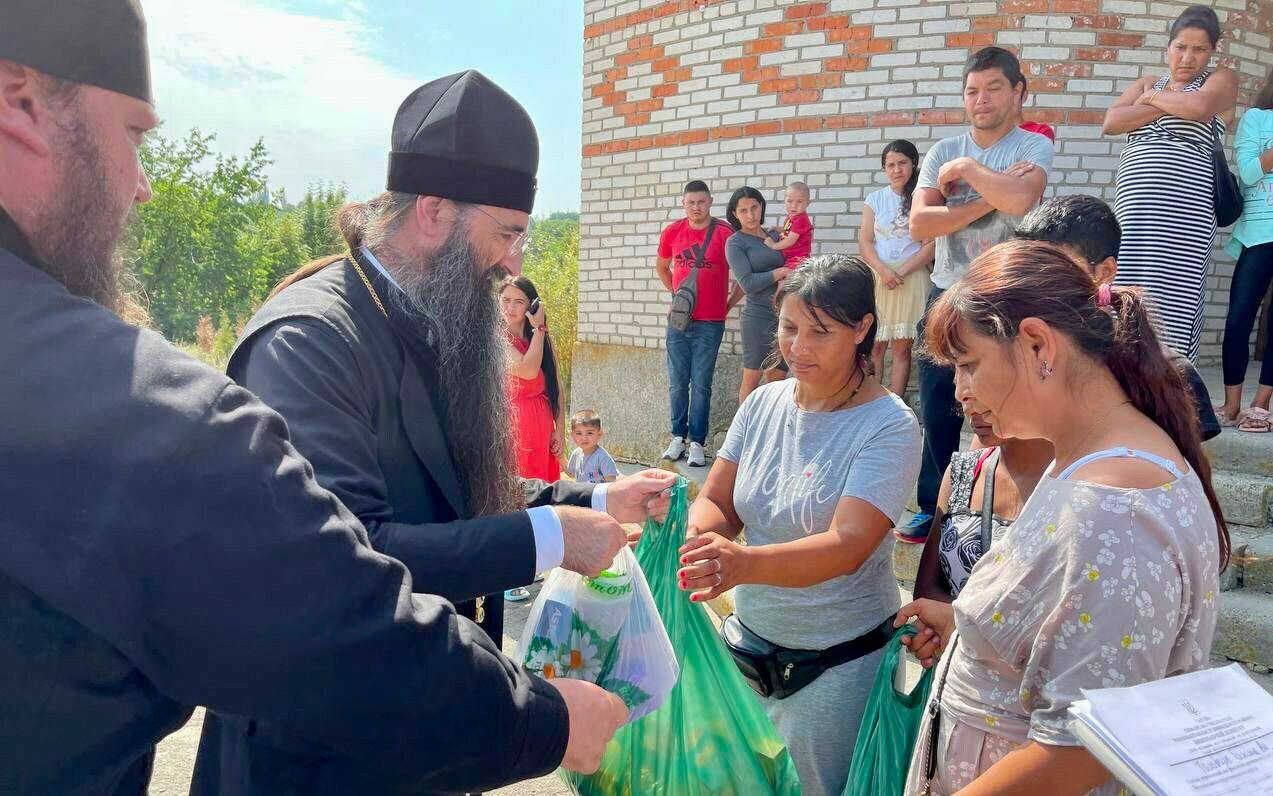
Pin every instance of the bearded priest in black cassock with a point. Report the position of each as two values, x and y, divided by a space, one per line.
389 364
162 543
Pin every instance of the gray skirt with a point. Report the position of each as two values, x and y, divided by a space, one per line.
760 334
819 723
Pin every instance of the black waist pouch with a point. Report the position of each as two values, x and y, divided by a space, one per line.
779 672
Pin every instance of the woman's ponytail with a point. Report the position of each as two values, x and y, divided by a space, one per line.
1028 279
1156 386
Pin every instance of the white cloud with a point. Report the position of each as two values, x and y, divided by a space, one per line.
311 87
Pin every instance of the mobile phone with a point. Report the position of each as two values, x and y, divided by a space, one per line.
534 307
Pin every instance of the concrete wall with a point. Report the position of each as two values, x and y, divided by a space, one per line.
760 92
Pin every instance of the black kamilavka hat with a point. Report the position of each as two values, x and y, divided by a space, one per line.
462 137
98 42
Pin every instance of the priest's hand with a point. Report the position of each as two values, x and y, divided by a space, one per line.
643 495
595 716
591 539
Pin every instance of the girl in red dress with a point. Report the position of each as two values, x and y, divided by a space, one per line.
533 386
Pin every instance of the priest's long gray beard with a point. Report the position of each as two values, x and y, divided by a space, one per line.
459 312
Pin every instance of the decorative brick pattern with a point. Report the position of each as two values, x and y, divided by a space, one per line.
760 92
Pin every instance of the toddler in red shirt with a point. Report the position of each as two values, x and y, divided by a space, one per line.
795 239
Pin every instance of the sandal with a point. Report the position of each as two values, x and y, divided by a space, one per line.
1225 420
1256 421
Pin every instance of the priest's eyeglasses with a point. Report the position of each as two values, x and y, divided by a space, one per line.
518 239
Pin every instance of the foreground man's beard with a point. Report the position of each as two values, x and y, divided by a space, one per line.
457 311
77 231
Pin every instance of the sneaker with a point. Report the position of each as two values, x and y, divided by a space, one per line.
915 531
695 459
675 450
518 595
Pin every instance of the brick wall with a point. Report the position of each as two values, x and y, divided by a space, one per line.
760 92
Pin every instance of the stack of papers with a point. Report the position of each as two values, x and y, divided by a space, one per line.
1208 732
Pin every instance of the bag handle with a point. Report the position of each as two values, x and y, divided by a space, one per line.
698 261
988 499
934 710
889 666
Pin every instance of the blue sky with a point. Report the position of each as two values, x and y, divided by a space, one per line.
320 80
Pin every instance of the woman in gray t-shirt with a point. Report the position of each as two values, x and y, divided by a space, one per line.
818 469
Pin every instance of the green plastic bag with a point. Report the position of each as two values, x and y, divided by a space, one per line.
890 723
711 736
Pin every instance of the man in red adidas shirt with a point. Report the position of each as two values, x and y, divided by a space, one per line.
691 354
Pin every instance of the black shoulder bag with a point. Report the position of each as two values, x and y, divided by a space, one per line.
934 723
779 672
1228 194
681 313
934 706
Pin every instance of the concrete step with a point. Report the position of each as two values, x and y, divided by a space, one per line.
1245 628
1251 563
1241 452
1246 499
1236 450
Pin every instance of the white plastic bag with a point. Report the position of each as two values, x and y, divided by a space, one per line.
605 630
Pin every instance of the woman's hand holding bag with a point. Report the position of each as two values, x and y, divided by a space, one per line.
934 625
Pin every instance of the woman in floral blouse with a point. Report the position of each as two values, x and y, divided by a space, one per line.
1109 576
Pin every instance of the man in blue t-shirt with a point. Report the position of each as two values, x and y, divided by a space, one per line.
973 190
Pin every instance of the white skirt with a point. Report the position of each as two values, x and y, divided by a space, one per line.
898 311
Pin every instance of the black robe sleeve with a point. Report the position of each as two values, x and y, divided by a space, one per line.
304 370
165 510
559 493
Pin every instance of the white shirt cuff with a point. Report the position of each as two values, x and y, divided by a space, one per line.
550 545
599 498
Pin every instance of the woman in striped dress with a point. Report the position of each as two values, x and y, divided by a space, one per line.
1164 195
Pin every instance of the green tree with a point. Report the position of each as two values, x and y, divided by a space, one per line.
552 263
317 211
213 241
209 243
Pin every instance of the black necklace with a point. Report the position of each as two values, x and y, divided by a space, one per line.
861 374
